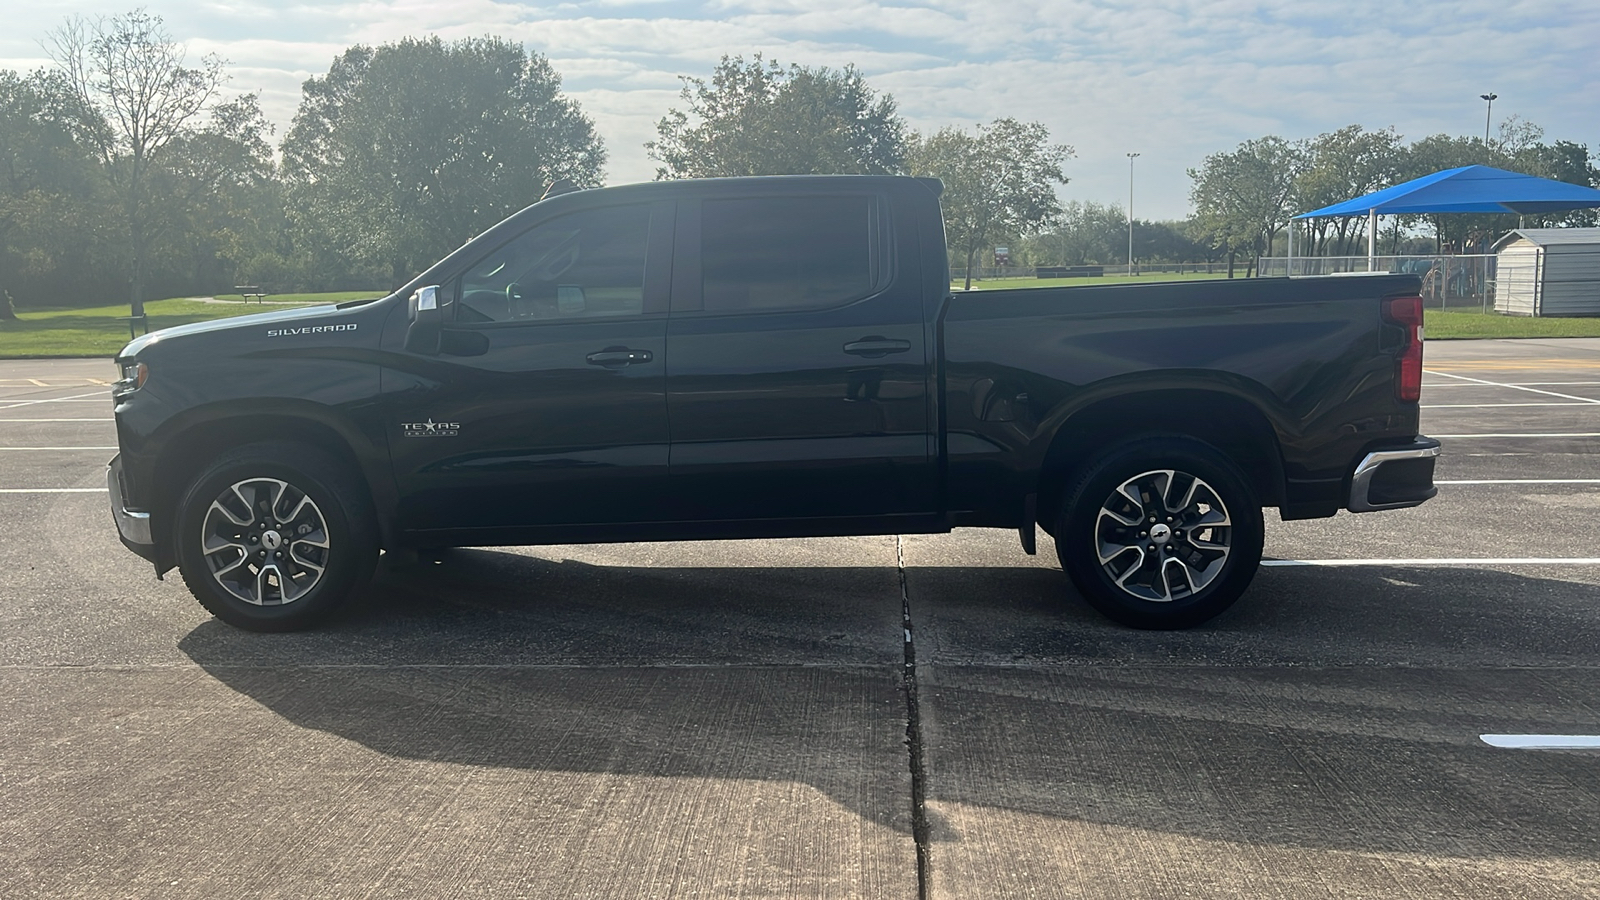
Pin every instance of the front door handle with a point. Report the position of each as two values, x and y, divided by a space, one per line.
617 357
875 345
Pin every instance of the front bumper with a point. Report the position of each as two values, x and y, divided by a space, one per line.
1394 478
133 526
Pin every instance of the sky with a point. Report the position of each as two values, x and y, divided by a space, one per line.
1171 80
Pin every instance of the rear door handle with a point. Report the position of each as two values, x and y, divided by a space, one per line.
875 345
617 357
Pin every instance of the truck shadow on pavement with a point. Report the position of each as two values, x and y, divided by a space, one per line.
1335 710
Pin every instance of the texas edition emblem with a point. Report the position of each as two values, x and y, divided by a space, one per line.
430 429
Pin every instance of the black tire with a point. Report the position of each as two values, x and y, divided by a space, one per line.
296 502
1200 561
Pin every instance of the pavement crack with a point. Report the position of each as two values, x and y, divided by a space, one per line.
914 745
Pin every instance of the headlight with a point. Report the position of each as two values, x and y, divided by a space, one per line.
134 375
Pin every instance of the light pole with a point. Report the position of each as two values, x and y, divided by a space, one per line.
1131 157
1487 98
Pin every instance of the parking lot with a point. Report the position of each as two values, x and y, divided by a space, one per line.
846 717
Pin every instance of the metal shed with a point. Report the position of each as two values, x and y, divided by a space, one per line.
1548 272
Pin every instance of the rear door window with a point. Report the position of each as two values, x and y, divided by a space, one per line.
765 254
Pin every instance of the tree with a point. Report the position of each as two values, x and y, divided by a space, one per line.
130 73
1088 233
1166 242
998 183
403 152
759 118
47 229
1084 233
1242 199
1514 136
1340 165
230 199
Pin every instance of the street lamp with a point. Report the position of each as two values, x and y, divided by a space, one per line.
1131 157
1487 98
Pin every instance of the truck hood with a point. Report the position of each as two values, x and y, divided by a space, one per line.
262 323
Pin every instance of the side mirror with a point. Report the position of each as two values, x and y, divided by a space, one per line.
427 321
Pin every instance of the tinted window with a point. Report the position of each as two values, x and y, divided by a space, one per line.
581 265
770 253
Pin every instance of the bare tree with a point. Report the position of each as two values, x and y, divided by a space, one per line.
128 71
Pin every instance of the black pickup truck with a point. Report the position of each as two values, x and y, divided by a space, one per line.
758 358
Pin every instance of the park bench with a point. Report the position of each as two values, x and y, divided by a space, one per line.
248 291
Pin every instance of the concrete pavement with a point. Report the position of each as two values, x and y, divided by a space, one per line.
731 719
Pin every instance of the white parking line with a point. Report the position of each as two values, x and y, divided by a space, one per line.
1517 387
1494 405
13 402
1543 741
37 449
98 490
1442 384
98 395
1520 481
37 383
1433 563
1564 434
107 419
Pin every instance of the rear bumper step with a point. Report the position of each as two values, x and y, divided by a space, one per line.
1394 478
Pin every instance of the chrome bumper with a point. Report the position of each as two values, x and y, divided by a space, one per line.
133 526
1413 488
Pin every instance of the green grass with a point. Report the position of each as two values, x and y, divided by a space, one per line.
98 331
992 284
1440 324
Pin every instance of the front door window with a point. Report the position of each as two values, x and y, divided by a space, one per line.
581 266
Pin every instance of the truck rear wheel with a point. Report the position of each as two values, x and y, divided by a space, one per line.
1160 532
275 536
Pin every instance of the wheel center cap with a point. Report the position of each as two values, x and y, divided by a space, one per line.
272 540
1160 533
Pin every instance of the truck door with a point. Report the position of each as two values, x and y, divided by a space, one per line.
546 404
797 380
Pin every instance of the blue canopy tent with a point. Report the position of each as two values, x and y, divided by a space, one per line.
1469 189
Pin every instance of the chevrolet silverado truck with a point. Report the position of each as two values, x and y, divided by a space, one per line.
763 358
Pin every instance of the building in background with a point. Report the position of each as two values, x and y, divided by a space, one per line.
1548 272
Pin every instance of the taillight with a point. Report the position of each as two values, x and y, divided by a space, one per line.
1407 313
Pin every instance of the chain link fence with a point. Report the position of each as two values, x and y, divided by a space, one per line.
986 273
1449 281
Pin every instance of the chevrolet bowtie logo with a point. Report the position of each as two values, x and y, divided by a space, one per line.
430 428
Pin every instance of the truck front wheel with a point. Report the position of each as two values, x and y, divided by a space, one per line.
1160 532
275 536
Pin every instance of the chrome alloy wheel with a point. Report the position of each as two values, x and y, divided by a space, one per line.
265 542
1163 535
